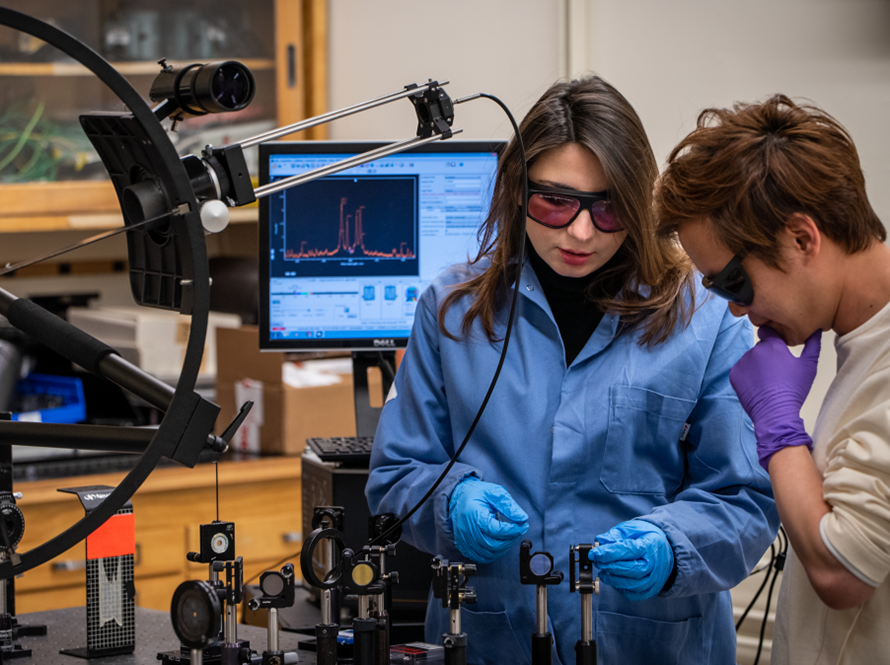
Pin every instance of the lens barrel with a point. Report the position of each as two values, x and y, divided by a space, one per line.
198 89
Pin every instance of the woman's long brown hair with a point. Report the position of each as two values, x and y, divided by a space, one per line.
654 272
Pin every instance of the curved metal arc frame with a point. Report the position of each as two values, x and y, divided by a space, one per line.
177 417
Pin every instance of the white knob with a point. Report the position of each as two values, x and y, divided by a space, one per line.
214 216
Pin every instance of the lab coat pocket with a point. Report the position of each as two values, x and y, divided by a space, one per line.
627 639
490 639
643 452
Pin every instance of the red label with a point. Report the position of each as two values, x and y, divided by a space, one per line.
116 537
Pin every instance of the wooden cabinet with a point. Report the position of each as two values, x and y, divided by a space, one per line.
49 181
262 498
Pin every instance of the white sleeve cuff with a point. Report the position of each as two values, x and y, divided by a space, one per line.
840 557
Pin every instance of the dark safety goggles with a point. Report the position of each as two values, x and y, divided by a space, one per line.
557 208
731 283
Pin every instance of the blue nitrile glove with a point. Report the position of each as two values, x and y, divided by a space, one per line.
635 557
772 385
485 519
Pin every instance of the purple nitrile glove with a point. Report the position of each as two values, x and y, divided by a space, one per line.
772 385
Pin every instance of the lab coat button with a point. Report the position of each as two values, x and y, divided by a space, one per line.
530 287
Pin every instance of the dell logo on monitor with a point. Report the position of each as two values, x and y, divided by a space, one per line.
384 342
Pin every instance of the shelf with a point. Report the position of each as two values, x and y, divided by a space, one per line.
148 68
72 206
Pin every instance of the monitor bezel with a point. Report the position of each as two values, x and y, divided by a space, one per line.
345 148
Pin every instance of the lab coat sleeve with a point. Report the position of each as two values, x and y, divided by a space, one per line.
414 442
724 517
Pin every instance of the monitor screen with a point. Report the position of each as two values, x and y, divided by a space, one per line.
343 259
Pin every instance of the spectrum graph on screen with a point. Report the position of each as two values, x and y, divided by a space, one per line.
346 258
359 226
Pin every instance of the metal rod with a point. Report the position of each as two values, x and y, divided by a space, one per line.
231 623
335 115
455 622
197 657
137 381
273 629
344 164
105 438
586 617
363 607
326 607
542 609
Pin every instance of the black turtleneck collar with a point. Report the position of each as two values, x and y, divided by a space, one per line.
576 311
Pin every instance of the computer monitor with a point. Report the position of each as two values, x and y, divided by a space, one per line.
344 259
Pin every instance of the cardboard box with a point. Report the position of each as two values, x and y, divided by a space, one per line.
288 415
152 339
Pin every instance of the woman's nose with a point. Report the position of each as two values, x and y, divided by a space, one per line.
582 228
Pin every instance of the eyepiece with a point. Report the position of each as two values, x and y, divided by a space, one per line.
215 87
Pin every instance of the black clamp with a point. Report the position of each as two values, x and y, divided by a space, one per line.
450 583
234 569
434 109
586 582
537 568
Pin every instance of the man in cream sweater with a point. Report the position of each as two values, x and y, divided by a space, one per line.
769 202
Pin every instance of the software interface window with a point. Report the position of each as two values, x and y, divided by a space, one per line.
350 254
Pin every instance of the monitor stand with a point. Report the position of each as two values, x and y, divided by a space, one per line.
367 416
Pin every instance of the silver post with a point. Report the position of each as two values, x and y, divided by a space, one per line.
455 622
214 575
3 608
542 609
326 607
343 164
231 624
334 115
587 617
328 557
197 657
363 607
273 629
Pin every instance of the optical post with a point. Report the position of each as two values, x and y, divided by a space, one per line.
278 592
378 525
362 577
585 584
330 539
537 569
450 584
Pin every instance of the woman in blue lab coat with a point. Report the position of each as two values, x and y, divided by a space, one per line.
612 420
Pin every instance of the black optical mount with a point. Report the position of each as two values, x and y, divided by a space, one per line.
360 575
196 613
537 569
585 584
327 523
450 584
381 609
278 592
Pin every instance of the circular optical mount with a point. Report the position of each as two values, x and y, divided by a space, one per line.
13 522
198 89
196 613
308 558
219 543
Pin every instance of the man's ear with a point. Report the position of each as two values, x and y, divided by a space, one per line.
803 236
